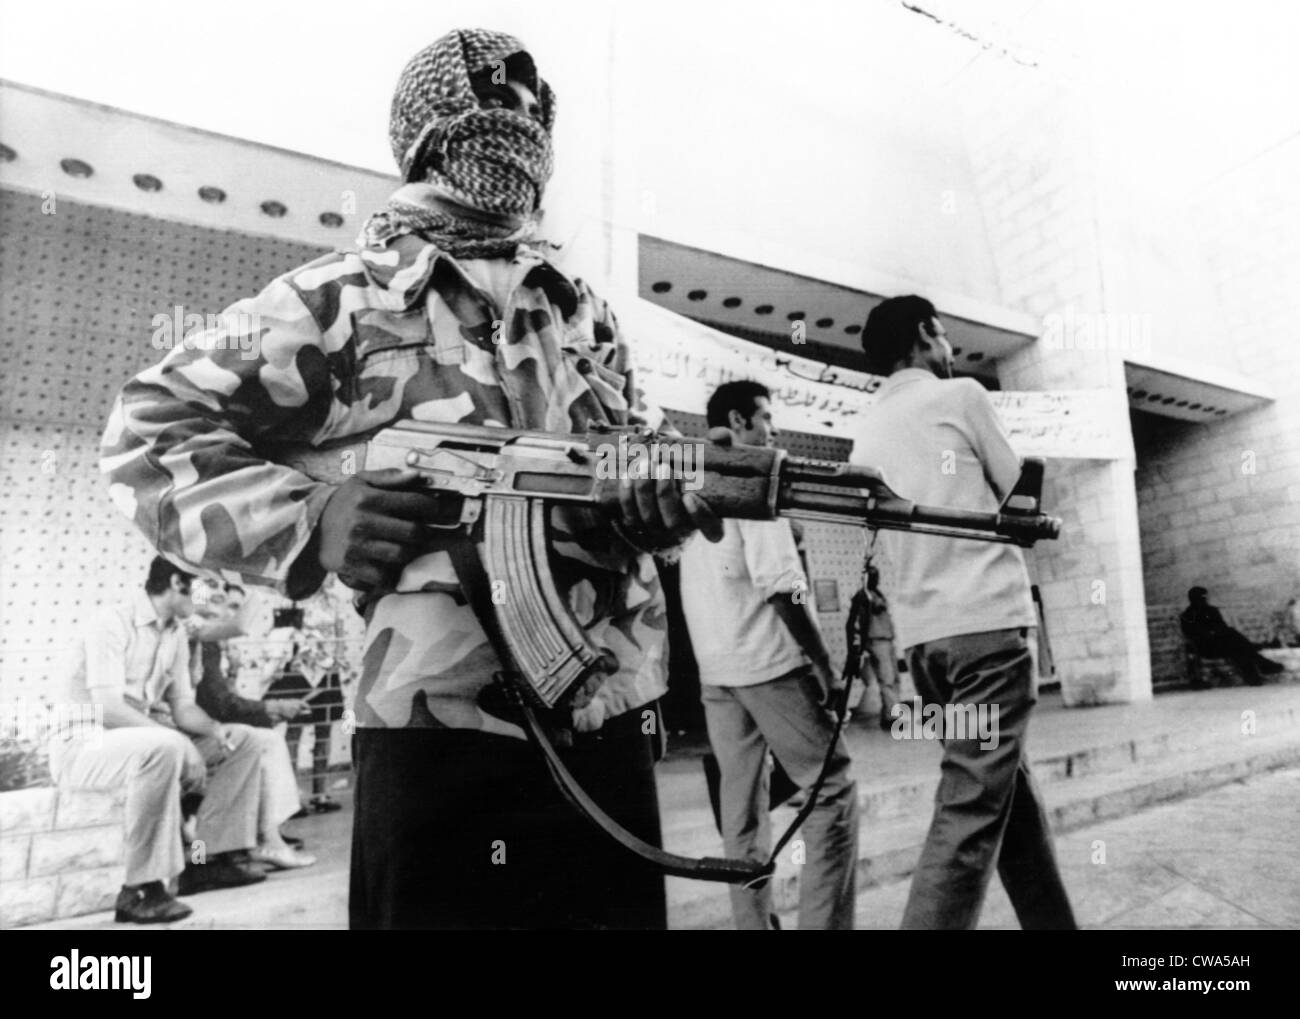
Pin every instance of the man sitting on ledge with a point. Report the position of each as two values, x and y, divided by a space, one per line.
1211 637
222 619
134 662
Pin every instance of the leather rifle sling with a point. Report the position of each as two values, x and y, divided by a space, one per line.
476 587
841 712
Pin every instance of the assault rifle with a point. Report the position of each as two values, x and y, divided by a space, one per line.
507 479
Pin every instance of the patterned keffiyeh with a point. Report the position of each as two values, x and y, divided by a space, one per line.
419 209
495 161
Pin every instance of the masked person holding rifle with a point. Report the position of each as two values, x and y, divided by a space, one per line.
449 311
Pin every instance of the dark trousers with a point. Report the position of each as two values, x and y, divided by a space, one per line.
459 829
987 809
1238 649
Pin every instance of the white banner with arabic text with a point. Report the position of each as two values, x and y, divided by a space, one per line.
680 362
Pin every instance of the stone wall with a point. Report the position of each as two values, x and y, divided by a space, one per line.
61 853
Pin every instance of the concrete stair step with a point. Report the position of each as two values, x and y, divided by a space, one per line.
897 798
890 847
1122 754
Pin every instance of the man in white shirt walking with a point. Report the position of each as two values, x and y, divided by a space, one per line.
963 612
766 681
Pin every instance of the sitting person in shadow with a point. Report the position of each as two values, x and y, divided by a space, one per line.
1211 637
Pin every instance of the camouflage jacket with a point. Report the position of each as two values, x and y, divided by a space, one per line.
349 343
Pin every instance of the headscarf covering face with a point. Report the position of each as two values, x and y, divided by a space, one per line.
496 160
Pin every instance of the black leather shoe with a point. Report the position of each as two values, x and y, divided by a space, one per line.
149 903
221 873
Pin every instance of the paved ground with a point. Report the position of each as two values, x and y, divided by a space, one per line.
1225 859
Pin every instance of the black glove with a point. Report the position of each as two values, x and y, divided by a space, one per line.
377 522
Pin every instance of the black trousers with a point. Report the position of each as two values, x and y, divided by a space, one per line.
1239 650
459 829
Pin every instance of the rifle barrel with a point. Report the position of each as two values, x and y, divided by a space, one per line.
874 512
897 514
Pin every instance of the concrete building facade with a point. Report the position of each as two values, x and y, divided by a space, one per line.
996 189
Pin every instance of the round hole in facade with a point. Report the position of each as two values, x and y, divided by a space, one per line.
76 167
147 182
763 309
795 316
731 302
1168 400
825 323
1153 397
212 195
331 219
661 287
1181 403
1194 406
1221 411
975 355
1138 394
956 351
697 295
852 330
7 155
274 209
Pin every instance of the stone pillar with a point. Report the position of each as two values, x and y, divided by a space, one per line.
1090 580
